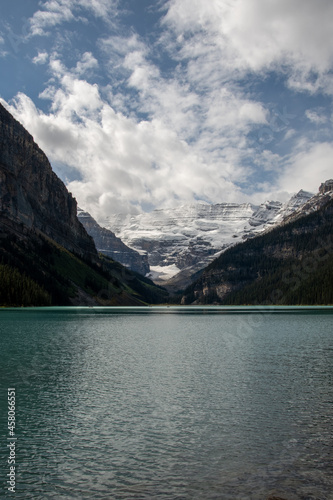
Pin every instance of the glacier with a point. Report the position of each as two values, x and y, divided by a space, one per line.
180 241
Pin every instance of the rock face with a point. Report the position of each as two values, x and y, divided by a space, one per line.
108 244
313 204
183 240
326 187
31 194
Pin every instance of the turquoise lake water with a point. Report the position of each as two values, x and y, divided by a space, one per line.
168 403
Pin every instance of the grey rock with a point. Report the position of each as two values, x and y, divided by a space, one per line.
326 187
108 244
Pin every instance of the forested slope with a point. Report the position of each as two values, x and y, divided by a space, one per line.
292 264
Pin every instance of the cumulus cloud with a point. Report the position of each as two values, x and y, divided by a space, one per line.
41 58
123 163
100 8
317 116
56 12
251 35
154 135
311 162
87 63
222 111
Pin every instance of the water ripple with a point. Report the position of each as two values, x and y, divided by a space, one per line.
173 407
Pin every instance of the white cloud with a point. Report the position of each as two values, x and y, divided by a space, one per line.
214 124
41 58
3 53
100 8
158 136
268 161
310 162
123 163
228 111
316 116
121 45
205 117
252 35
86 65
55 12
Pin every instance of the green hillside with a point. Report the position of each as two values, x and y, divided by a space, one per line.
36 271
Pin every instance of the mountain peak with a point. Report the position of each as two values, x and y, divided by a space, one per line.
303 194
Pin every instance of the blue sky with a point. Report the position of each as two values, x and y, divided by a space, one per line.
143 104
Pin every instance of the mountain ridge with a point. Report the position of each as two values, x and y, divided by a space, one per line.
108 244
184 240
291 263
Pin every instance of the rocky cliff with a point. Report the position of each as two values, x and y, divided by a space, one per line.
108 244
31 194
326 187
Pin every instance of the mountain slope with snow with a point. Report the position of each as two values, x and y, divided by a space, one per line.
187 238
290 264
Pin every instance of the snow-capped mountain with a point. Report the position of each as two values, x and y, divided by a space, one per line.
314 203
185 239
290 263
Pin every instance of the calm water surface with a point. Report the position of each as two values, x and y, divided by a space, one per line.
168 406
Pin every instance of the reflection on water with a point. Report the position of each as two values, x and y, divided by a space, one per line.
169 406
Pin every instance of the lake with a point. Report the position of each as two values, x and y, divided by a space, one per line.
168 403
